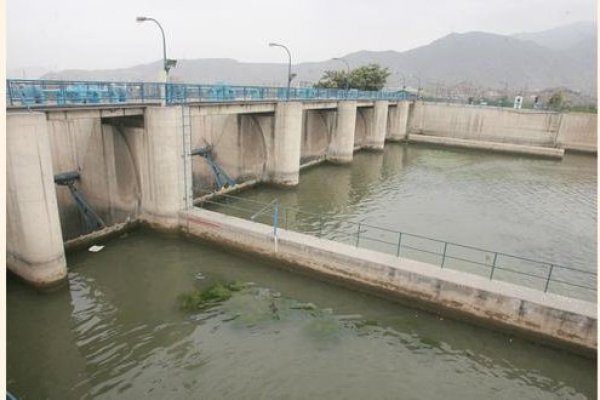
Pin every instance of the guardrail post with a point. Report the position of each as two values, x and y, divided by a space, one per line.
399 240
357 236
10 95
275 217
275 222
493 266
444 255
320 226
549 275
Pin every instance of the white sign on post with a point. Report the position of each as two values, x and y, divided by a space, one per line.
518 102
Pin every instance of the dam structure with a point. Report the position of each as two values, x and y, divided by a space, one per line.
86 160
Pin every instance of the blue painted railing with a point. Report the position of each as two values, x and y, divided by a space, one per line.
44 93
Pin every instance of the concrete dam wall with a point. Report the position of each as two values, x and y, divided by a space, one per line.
140 164
134 162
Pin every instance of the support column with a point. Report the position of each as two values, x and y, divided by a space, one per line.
376 138
34 244
284 156
399 127
341 147
164 191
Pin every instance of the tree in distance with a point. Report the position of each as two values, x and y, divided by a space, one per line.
556 101
367 77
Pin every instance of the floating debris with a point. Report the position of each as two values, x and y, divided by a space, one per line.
303 306
199 276
95 249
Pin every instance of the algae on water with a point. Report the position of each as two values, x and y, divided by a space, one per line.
213 295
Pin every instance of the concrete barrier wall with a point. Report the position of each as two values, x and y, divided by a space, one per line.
502 125
579 131
103 156
563 321
488 124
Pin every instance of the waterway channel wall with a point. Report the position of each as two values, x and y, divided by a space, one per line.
568 131
547 317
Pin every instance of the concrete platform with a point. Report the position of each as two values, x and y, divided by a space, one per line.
490 146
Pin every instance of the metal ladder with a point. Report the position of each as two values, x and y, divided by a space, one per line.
186 133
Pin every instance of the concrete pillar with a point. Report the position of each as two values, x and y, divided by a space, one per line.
341 147
376 138
164 179
283 165
399 127
34 243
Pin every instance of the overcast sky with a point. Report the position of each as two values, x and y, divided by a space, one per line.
95 34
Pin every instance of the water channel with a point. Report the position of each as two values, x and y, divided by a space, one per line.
116 330
540 209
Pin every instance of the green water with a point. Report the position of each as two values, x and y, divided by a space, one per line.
117 332
540 209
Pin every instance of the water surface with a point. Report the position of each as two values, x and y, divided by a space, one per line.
116 332
541 209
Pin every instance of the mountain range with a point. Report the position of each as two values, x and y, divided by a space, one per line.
565 56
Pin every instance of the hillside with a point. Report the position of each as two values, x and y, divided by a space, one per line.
525 60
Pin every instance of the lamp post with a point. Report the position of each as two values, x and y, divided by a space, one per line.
418 87
289 80
347 71
167 63
403 80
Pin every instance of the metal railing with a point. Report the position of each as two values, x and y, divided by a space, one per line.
44 93
494 265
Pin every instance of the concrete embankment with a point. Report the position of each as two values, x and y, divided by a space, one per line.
489 146
551 318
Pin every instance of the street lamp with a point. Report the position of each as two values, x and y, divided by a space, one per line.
403 80
290 77
418 87
347 73
167 63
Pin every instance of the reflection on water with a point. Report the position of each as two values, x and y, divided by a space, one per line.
117 332
529 207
